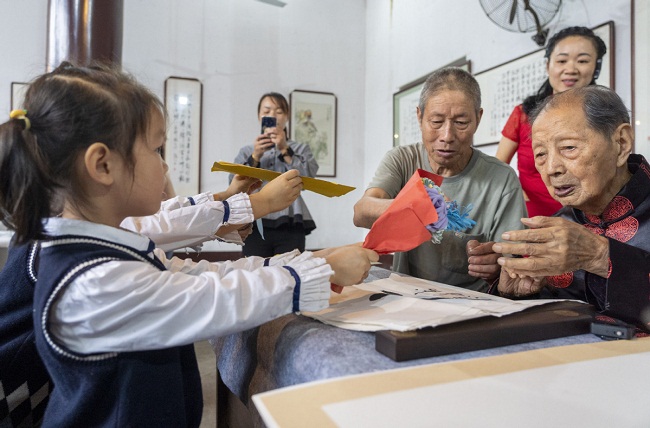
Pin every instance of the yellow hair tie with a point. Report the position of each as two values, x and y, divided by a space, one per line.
21 115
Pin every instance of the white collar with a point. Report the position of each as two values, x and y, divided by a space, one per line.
57 226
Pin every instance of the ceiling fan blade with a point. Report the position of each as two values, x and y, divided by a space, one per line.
535 17
513 11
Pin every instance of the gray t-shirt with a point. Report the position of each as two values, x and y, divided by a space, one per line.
491 186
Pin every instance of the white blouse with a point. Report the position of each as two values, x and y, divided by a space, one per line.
188 222
129 305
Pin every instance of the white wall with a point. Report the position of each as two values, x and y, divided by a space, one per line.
22 45
361 50
642 85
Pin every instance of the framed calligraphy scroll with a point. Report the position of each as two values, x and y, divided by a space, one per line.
183 102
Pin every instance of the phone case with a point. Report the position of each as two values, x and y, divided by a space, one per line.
268 122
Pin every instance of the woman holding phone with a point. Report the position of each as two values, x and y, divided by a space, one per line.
284 230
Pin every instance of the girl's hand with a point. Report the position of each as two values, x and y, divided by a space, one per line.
245 231
239 184
278 194
351 264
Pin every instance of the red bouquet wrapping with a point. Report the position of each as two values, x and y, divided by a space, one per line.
402 226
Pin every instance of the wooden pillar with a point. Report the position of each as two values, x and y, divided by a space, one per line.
83 31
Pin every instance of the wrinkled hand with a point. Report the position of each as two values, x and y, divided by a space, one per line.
351 264
278 194
553 246
519 286
483 260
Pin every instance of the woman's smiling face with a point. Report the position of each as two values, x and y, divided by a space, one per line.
572 63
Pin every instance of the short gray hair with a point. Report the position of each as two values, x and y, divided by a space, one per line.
604 110
453 79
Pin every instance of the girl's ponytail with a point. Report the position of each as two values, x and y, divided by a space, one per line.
25 190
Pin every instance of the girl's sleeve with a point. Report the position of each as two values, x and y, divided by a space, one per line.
127 306
191 225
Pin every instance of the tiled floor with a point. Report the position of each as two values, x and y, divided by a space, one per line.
208 368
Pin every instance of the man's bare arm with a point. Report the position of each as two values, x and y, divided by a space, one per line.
372 204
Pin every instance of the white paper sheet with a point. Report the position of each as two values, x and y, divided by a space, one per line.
579 394
406 303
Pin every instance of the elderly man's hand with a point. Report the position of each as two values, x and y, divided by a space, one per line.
483 260
519 287
553 246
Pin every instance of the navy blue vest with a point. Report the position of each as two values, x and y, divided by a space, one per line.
160 388
23 377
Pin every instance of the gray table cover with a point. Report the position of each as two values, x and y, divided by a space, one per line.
294 349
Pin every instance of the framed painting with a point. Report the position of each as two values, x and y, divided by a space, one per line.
505 86
183 102
313 122
18 90
406 129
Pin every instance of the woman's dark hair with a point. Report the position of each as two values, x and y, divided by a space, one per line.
277 98
451 78
604 110
546 89
68 109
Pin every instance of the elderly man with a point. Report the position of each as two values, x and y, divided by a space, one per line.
449 113
598 247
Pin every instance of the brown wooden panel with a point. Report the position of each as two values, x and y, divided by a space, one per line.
84 31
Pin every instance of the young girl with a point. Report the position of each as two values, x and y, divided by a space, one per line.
113 325
180 222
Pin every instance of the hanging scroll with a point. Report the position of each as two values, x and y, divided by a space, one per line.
183 101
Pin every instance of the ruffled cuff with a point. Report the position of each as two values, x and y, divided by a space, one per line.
314 287
282 259
202 198
241 210
183 201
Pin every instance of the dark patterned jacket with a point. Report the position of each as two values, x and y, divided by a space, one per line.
625 293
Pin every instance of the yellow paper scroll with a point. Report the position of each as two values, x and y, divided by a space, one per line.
323 187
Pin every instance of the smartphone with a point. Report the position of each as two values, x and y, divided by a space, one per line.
268 122
616 331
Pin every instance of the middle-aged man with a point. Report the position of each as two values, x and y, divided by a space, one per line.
598 247
449 112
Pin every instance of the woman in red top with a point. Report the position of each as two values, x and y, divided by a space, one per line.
573 60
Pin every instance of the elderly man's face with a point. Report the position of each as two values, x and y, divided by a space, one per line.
448 124
578 165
